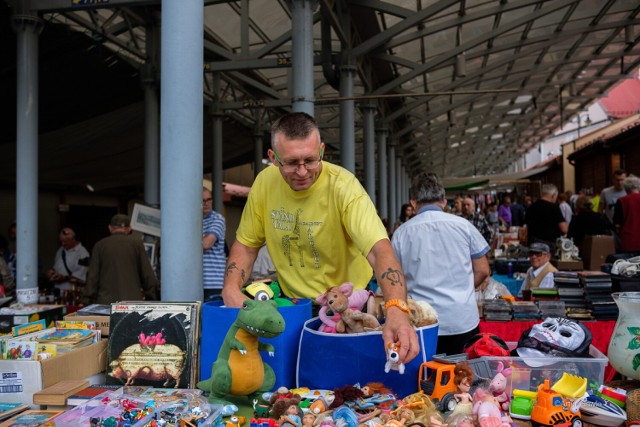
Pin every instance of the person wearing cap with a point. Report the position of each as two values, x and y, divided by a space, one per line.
540 274
444 260
70 263
321 229
120 268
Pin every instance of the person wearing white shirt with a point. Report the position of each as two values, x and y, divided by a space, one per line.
540 274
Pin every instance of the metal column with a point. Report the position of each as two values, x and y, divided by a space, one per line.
383 202
218 138
151 122
27 28
347 120
368 131
400 198
393 207
302 60
181 149
257 145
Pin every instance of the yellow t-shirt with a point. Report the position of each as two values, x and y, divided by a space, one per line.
317 238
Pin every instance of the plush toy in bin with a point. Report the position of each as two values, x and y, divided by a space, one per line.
239 369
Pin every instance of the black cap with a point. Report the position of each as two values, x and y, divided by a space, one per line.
120 220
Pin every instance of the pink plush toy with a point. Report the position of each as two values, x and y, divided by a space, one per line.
487 408
498 386
357 300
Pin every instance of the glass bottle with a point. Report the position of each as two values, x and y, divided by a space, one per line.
624 347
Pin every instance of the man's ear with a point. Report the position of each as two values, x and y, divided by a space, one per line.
272 158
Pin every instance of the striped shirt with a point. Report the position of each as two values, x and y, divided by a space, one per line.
213 259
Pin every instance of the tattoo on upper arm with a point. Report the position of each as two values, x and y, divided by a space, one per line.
230 267
394 276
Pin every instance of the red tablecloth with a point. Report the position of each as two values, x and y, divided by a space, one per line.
600 329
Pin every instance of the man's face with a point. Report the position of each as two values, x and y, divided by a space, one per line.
618 180
207 202
291 156
468 206
538 259
67 241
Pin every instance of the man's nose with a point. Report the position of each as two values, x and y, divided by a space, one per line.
302 170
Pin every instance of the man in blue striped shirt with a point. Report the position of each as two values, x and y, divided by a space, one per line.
213 257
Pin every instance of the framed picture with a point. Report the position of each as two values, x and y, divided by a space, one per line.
150 248
146 219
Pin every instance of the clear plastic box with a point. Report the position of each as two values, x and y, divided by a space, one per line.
528 373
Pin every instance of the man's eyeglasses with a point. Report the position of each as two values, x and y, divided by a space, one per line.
207 200
293 167
536 254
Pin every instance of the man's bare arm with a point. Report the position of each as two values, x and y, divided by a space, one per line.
481 271
391 280
208 241
237 272
564 228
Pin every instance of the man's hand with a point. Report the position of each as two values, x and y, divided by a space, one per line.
233 297
397 328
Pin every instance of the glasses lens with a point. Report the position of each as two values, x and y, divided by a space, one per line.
206 200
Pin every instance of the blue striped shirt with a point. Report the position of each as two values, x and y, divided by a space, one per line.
213 259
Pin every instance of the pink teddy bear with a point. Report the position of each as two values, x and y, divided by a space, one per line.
357 300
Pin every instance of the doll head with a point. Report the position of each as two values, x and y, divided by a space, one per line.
405 415
463 377
308 419
292 409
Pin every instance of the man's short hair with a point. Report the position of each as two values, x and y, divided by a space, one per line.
549 189
631 183
619 172
294 126
67 232
426 188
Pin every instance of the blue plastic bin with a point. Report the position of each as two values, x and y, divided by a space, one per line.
217 319
326 361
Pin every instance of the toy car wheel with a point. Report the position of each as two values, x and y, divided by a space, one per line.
449 403
576 422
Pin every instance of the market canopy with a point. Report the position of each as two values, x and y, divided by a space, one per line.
463 87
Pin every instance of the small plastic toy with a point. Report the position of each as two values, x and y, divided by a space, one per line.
561 403
393 358
522 404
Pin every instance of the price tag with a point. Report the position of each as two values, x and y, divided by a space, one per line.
11 382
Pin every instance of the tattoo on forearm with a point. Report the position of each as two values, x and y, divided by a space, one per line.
230 267
243 275
394 276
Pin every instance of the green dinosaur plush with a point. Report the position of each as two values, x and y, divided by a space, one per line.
239 369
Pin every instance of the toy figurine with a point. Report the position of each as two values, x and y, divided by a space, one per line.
463 378
393 358
239 369
498 386
487 408
308 420
290 417
340 299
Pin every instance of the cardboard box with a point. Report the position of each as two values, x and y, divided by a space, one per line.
102 322
571 265
13 317
595 250
20 379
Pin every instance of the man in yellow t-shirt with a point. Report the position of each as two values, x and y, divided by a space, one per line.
321 229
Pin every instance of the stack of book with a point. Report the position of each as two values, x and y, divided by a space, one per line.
569 289
497 309
525 310
597 290
544 294
552 309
